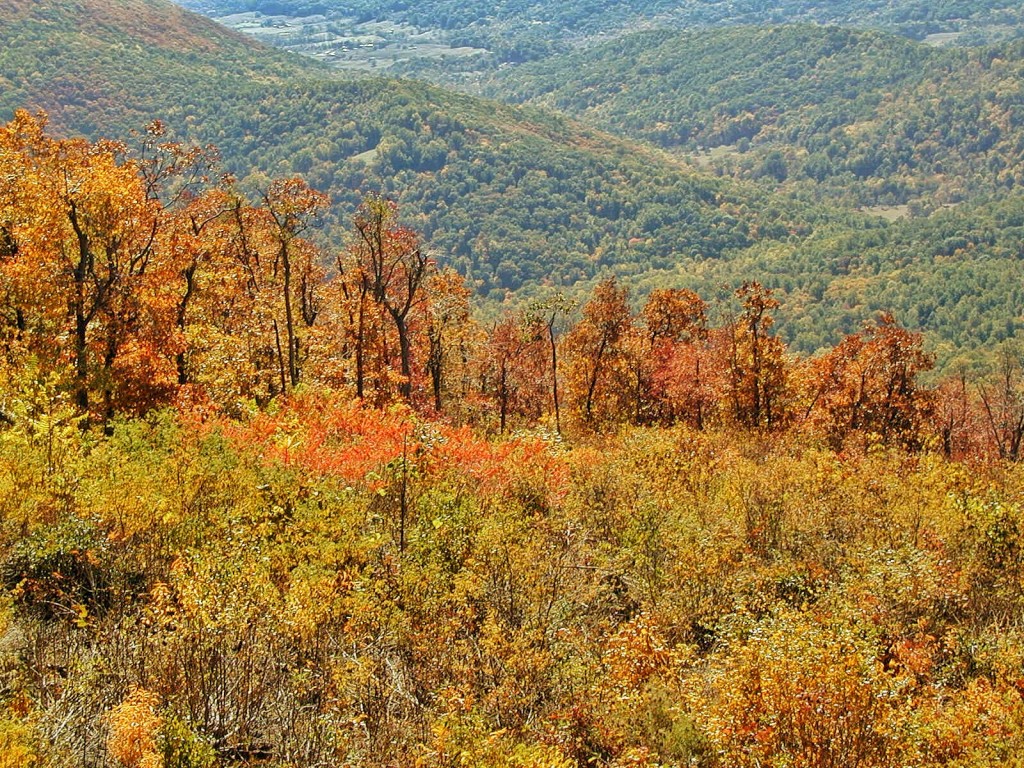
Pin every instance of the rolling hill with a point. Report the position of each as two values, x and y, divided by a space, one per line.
864 116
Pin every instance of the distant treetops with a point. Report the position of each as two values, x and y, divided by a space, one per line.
131 280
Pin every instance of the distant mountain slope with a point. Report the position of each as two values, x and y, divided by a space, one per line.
555 19
457 42
957 274
868 115
716 86
106 67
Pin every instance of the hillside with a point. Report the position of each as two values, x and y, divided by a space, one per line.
278 489
179 595
415 541
864 116
592 16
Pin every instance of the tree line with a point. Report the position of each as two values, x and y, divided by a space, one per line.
133 280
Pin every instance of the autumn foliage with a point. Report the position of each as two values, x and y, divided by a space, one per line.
263 507
137 280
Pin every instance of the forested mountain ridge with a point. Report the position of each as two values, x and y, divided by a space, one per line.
154 23
588 15
863 116
99 67
867 117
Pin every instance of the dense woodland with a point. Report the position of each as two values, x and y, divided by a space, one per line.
255 511
862 115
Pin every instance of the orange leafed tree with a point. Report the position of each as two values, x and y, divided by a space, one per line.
757 367
197 248
383 278
596 355
550 313
83 264
249 290
514 365
674 352
1002 399
291 207
868 383
451 336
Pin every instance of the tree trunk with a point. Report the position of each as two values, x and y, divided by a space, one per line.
189 274
360 344
434 365
289 319
81 359
81 272
554 375
282 373
503 397
594 376
405 353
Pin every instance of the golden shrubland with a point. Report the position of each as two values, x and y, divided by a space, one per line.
178 594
